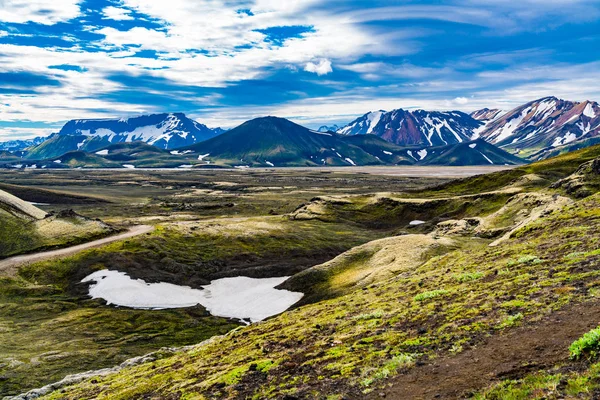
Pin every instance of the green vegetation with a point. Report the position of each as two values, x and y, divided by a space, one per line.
587 345
405 296
17 236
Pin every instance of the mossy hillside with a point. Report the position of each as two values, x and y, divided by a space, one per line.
17 236
391 211
364 265
47 333
353 343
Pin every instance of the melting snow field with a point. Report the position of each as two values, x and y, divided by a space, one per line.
241 297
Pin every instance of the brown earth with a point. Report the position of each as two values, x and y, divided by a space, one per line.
512 355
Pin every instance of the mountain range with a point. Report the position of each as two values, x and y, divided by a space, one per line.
533 131
165 131
272 142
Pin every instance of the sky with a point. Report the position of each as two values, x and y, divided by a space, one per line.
314 61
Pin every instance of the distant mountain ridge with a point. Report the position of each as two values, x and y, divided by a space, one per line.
18 145
268 142
166 131
420 127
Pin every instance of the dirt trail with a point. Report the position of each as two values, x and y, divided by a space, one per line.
9 265
509 356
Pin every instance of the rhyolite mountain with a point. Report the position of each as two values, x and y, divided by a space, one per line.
416 128
165 131
535 129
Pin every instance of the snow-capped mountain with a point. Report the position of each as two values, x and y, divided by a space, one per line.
328 128
17 145
363 125
166 131
420 127
544 124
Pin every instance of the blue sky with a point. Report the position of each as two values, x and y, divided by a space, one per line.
314 61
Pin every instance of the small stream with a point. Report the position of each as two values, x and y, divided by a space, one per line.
241 297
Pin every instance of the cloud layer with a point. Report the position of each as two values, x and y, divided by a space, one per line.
314 61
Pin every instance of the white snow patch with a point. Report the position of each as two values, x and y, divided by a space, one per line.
269 163
487 158
509 128
473 145
241 166
58 161
411 154
203 156
422 154
241 297
373 118
349 160
562 140
34 166
102 152
185 166
322 133
128 166
389 153
589 111
416 222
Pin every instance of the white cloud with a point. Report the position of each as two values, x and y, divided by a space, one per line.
117 13
461 101
322 68
39 11
7 134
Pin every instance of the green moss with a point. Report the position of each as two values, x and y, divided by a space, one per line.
430 295
588 345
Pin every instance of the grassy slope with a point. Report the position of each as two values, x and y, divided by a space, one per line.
352 343
548 170
17 236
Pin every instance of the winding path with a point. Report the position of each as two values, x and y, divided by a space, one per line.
9 265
